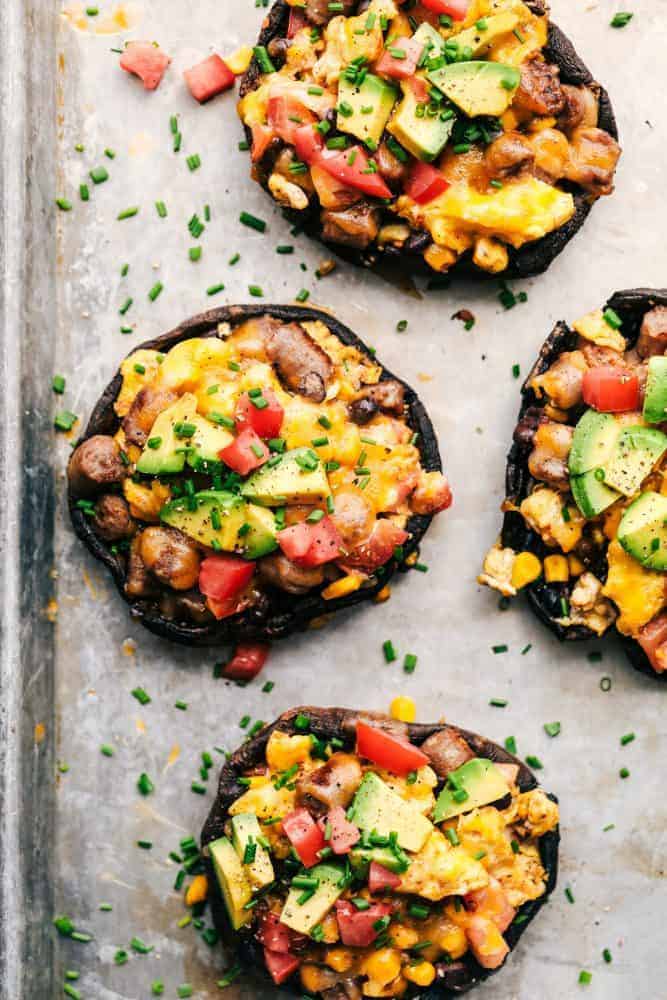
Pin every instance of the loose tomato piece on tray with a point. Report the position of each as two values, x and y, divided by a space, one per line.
263 413
457 9
358 927
209 78
305 836
425 183
280 965
246 452
248 660
146 61
391 753
611 390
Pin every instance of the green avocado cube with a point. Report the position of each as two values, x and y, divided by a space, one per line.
377 807
643 530
234 884
299 477
476 783
590 493
303 917
633 458
593 441
422 134
245 838
655 398
214 520
364 110
478 88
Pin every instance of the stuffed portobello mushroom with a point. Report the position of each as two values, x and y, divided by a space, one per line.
354 856
585 522
251 471
445 135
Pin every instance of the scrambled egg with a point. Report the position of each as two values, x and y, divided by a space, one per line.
543 510
595 328
440 870
638 593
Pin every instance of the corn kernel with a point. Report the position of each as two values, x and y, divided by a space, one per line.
576 566
403 709
422 974
239 61
556 569
383 966
198 890
454 941
283 751
439 258
526 569
339 959
403 937
382 595
341 588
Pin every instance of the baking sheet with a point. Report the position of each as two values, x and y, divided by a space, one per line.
71 656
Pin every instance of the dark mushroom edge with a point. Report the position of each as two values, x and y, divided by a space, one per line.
633 604
98 508
555 82
448 749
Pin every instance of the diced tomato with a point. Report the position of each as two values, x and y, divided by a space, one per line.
146 61
222 576
419 88
246 452
380 878
247 661
653 640
265 419
357 926
425 183
275 935
311 544
351 166
305 836
280 966
491 902
262 136
308 143
297 21
286 114
378 549
611 390
209 78
344 835
400 69
391 753
486 942
457 9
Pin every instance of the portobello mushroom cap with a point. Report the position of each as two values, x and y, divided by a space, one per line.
525 262
325 723
282 613
545 598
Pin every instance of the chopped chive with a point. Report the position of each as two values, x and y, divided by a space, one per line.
181 705
141 696
215 289
105 907
107 750
178 138
612 319
409 663
624 773
128 213
303 295
252 222
621 19
229 976
155 291
606 954
157 988
161 209
58 384
195 253
65 420
140 946
99 175
256 291
193 162
145 845
569 895
628 738
534 762
510 744
84 192
389 651
64 205
585 977
145 785
121 957
552 728
499 703
526 649
516 370
499 649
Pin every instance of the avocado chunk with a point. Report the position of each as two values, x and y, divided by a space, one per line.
478 88
207 441
655 398
245 838
590 493
299 477
422 135
479 40
260 536
303 918
164 453
377 807
633 458
361 858
476 783
592 442
234 885
370 105
432 41
643 530
215 519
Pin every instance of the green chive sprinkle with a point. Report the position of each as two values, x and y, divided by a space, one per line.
145 785
195 254
161 209
155 291
499 703
389 651
585 977
64 205
65 420
510 744
252 222
106 750
256 291
157 988
128 213
193 162
499 649
628 738
409 663
215 289
303 295
534 762
552 728
621 19
141 696
84 193
606 954
624 773
285 249
99 175
569 895
181 705
58 384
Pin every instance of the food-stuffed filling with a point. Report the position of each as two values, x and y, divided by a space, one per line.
375 865
597 459
271 458
436 128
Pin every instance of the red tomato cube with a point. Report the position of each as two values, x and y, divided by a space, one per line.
262 413
305 836
246 452
209 78
146 61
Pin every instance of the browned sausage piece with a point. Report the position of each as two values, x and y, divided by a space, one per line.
146 408
189 606
540 90
593 158
171 557
94 465
581 107
387 396
508 154
302 365
112 520
391 168
333 784
139 582
446 751
653 333
357 226
320 12
278 571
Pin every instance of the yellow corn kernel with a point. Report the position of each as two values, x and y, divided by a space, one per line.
575 565
239 61
403 709
283 751
422 974
403 937
556 569
439 258
339 959
330 932
341 588
198 891
382 595
526 569
383 966
454 941
490 255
